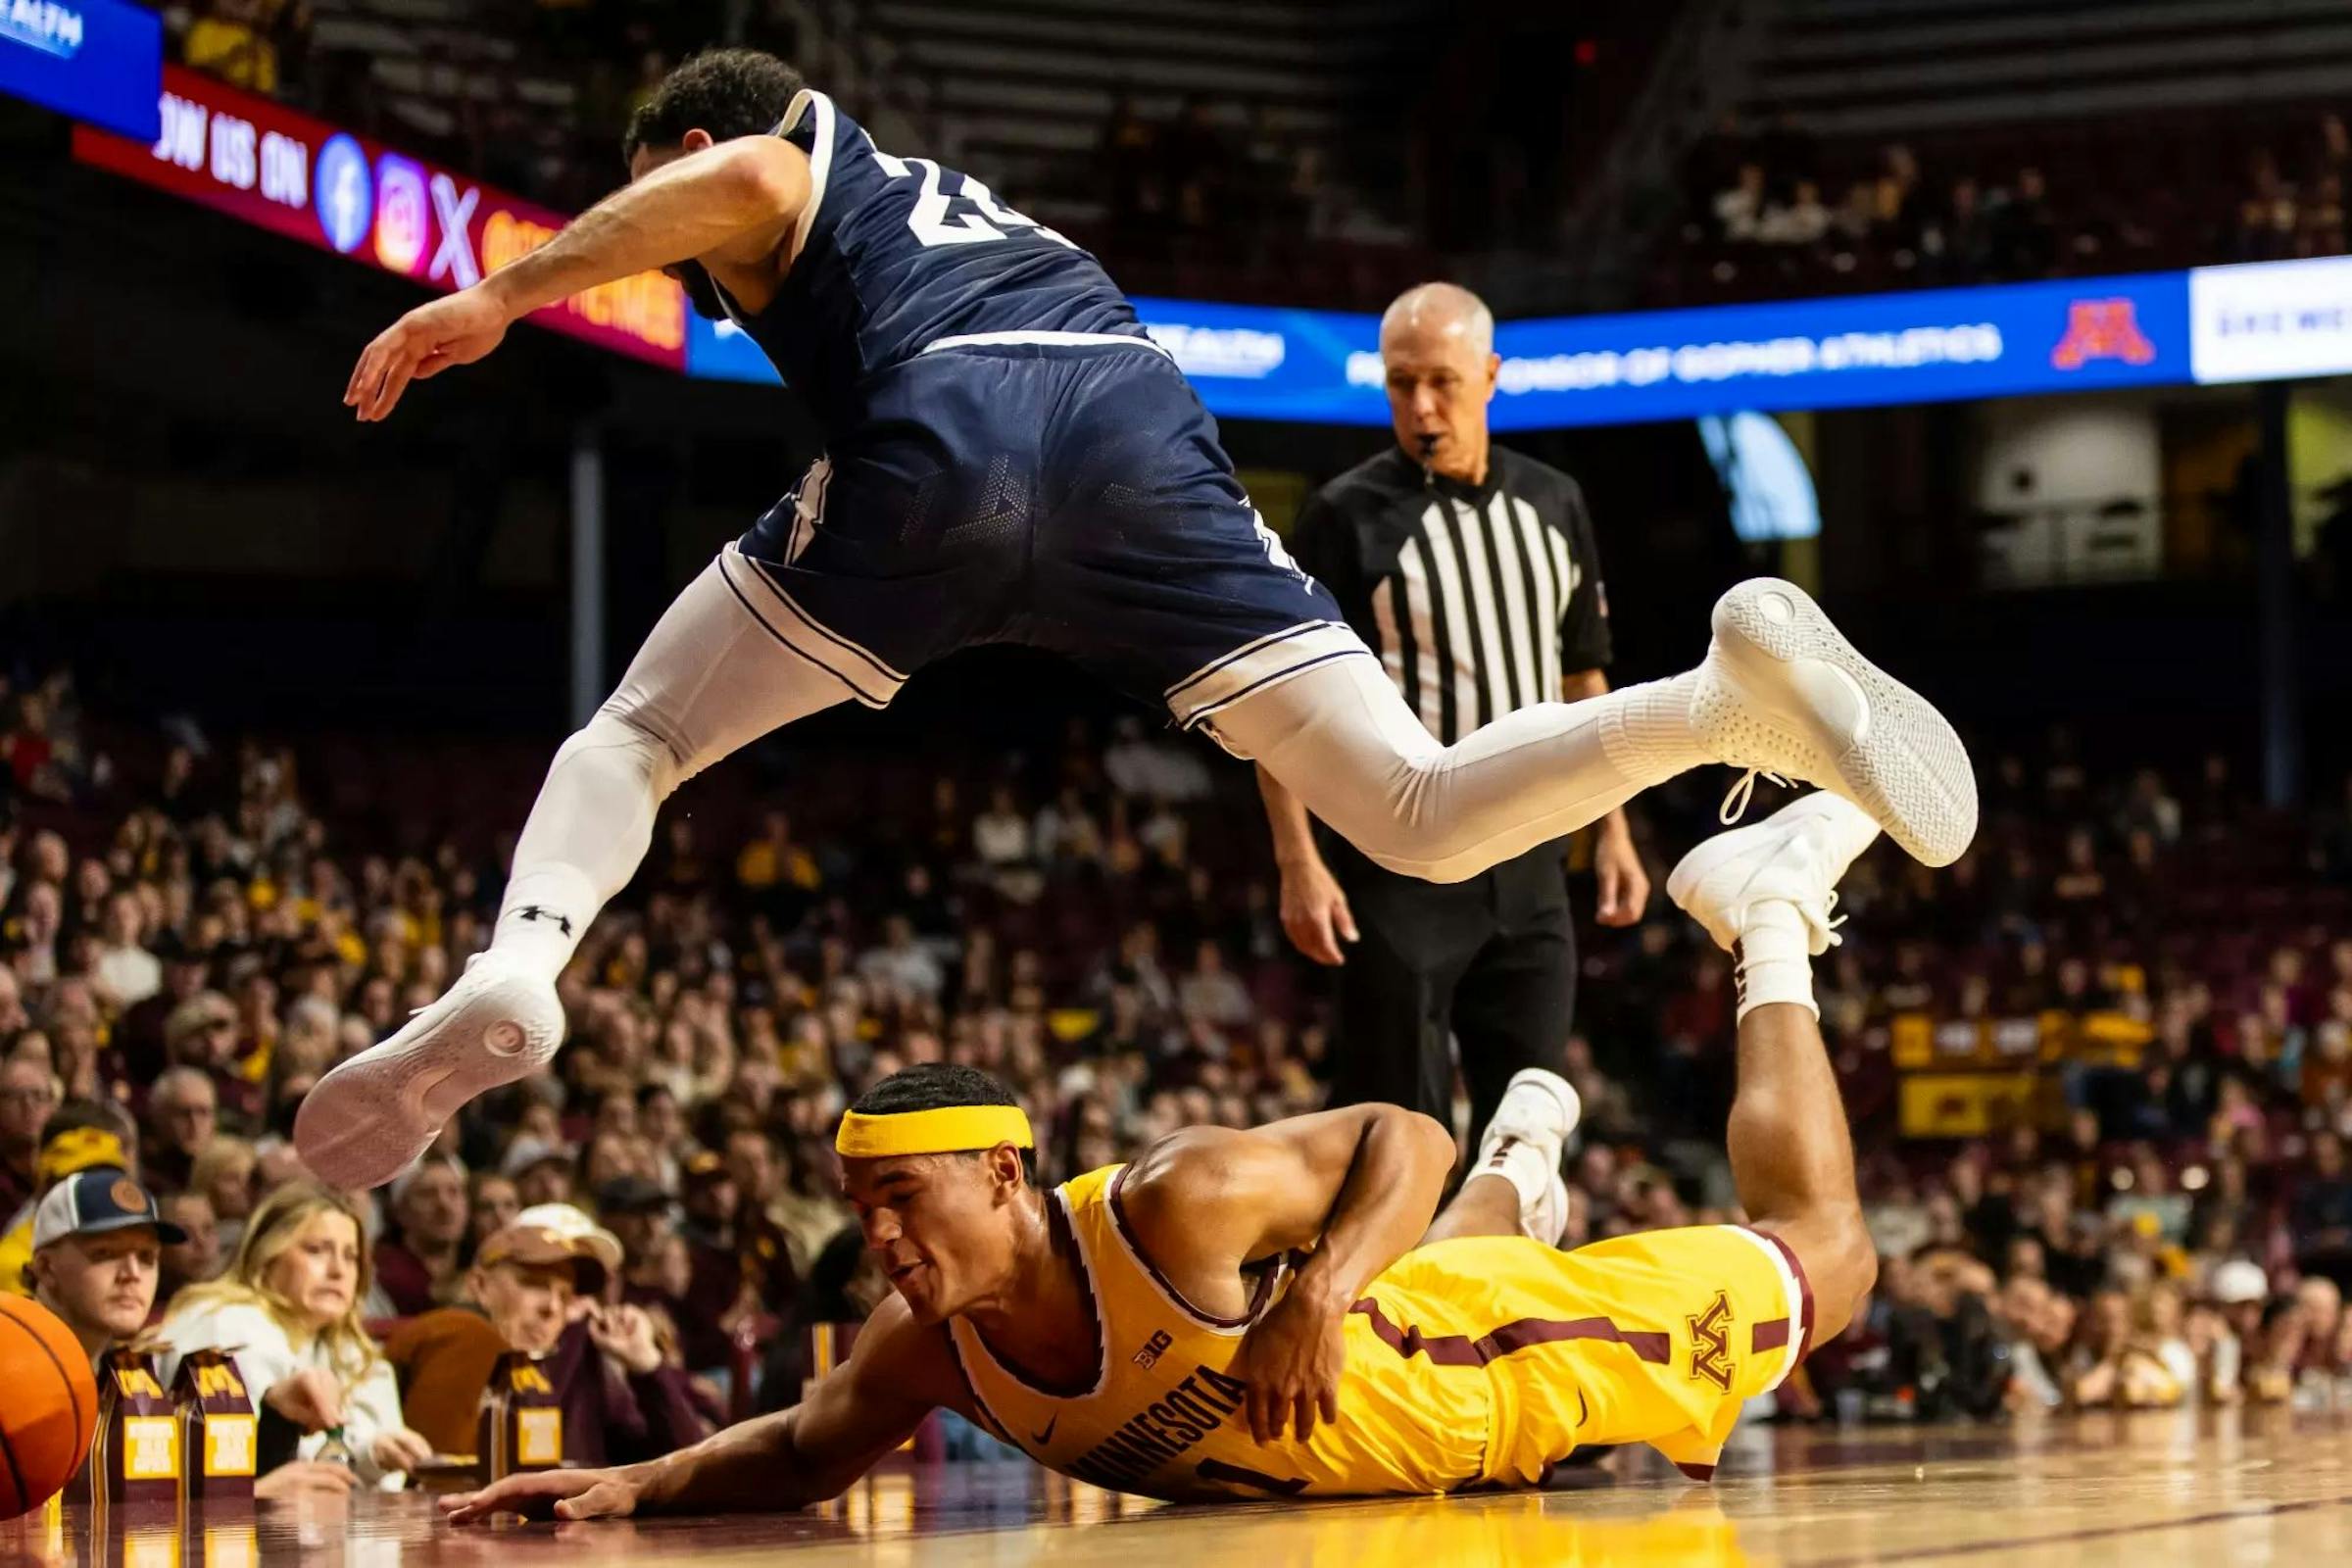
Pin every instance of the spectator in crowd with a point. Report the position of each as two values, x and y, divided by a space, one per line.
80 1135
491 1205
28 1093
287 1312
97 1239
422 1265
535 1286
225 1175
195 1258
184 1116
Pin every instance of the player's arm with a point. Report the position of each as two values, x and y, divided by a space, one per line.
1359 1186
1315 907
740 196
898 1373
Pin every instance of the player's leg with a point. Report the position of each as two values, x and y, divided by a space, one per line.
710 678
1764 892
1779 691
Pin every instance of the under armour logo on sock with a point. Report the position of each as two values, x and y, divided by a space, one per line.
532 911
1502 1152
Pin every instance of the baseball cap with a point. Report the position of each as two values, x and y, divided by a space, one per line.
526 1152
551 1233
630 1195
2237 1282
94 1201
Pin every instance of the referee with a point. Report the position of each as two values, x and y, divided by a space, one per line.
1471 571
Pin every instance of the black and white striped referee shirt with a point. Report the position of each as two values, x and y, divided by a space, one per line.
1477 597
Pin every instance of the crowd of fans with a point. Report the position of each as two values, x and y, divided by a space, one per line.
1775 210
186 944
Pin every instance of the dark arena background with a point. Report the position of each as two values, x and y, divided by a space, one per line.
2018 334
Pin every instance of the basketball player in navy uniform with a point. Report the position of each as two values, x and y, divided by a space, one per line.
1009 458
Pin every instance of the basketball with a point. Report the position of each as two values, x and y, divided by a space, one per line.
51 1412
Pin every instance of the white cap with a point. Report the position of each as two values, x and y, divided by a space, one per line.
2237 1282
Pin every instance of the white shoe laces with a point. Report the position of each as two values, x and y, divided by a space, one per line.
1735 802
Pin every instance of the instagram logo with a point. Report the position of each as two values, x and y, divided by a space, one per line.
400 213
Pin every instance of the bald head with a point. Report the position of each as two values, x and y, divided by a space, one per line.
1428 314
1436 351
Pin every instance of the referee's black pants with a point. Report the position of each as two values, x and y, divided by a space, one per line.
1491 961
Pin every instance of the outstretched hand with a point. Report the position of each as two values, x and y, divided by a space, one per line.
429 339
548 1495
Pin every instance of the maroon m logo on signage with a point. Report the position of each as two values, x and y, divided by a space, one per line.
1710 1344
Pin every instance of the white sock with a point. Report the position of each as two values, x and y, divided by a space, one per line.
544 914
1773 959
1646 728
1522 1164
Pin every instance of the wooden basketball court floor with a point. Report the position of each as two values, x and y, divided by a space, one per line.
2228 1488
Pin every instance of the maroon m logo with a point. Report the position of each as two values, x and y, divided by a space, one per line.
1712 1343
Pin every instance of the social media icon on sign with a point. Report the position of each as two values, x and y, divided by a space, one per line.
345 194
402 213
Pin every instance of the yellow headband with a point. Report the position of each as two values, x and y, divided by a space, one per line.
949 1130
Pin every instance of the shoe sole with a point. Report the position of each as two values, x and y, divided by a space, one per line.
369 1119
1909 771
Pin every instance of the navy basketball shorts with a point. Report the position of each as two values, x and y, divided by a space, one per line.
1071 497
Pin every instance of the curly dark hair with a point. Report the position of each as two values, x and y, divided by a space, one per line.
727 92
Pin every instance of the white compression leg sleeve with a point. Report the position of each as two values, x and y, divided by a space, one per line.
711 678
1340 738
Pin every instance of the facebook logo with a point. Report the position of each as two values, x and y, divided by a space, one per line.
345 195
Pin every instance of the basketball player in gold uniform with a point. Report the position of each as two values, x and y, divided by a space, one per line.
1272 1312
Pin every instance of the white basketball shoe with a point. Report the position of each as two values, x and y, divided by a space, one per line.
1523 1144
372 1116
1783 694
1794 857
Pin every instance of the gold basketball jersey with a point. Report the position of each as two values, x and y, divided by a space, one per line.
1163 1416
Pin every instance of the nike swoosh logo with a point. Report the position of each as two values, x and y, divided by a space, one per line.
1040 1439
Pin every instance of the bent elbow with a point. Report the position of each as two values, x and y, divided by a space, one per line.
767 177
1432 1136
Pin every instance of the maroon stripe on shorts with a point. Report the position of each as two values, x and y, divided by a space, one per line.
1460 1349
1771 1335
1804 1291
1697 1472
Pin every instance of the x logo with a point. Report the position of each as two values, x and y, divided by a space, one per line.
454 258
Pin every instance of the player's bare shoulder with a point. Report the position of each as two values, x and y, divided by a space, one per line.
1173 1194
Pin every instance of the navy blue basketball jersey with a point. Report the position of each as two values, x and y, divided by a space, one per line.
897 255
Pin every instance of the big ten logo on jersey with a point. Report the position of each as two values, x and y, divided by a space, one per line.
218 1432
967 216
137 1457
522 1422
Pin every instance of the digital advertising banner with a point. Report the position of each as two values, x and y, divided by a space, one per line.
255 161
98 61
294 175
